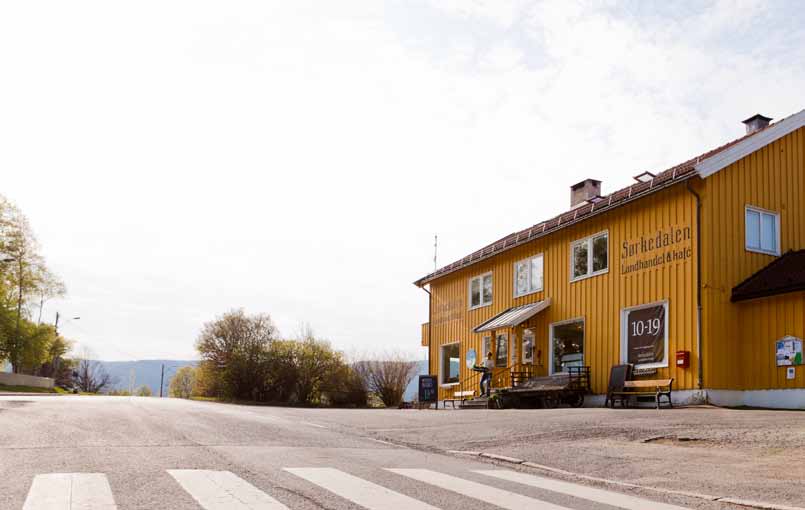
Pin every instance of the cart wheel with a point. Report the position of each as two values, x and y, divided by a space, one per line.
576 400
550 402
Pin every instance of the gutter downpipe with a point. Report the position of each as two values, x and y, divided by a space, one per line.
698 283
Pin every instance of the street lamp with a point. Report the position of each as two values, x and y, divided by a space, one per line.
56 325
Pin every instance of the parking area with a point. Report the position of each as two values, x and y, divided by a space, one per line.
751 454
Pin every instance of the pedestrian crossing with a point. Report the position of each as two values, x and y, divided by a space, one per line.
224 490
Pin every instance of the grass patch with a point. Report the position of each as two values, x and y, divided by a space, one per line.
26 389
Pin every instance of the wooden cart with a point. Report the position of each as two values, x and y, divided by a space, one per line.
549 392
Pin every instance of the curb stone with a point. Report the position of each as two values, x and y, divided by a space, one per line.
721 499
503 458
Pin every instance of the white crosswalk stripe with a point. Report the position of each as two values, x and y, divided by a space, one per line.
361 492
615 499
70 491
222 490
486 493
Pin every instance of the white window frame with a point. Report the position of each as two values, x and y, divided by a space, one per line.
527 333
481 287
542 279
514 356
551 326
761 212
589 241
486 344
441 366
625 336
508 354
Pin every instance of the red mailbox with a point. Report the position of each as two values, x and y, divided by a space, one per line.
682 359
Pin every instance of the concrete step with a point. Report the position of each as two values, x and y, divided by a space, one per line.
476 403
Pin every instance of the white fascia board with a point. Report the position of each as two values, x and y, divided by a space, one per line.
723 159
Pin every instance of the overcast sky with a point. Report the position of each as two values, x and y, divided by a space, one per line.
181 158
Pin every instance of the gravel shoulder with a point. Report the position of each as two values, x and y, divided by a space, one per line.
747 454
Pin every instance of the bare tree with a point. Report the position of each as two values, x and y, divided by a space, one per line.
90 376
387 376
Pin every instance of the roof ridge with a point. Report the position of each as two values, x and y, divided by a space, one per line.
662 179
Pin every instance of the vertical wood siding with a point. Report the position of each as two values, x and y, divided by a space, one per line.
598 300
739 337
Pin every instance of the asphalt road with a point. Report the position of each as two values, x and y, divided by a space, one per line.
93 453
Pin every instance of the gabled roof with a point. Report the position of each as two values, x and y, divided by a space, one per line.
701 166
750 144
784 274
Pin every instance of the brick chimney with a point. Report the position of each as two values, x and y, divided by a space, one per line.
756 123
585 190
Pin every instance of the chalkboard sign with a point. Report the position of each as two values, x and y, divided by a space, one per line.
428 389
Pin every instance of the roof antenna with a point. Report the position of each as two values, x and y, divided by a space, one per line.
435 252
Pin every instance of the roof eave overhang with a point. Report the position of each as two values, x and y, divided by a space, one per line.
737 297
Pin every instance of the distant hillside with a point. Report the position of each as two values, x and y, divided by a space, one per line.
145 372
412 388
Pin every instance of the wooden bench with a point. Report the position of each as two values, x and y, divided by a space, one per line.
459 396
656 388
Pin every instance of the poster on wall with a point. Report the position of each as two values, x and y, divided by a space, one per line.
789 351
645 335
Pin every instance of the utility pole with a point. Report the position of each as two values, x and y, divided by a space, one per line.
56 326
161 380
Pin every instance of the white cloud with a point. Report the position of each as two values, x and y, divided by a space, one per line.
181 158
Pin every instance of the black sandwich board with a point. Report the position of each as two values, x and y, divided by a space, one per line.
428 389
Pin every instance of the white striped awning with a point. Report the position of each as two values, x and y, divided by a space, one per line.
513 316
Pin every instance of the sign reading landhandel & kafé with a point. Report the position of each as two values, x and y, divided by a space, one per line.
665 246
645 335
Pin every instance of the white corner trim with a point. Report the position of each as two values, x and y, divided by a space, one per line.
713 164
793 398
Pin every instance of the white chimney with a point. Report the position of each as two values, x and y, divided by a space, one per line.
586 190
756 123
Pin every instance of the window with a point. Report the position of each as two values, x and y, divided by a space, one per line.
644 335
481 290
528 276
450 361
501 351
487 343
513 349
590 256
567 345
762 231
528 346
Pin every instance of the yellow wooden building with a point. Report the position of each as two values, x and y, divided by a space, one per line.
694 274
